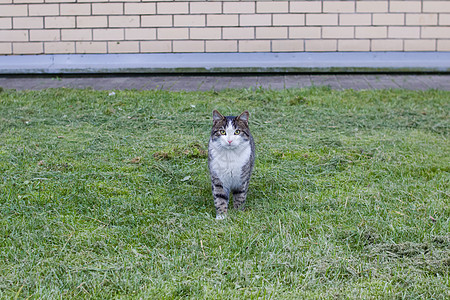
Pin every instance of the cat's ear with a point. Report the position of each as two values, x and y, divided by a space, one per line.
217 116
244 117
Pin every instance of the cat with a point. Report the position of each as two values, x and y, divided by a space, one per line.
231 156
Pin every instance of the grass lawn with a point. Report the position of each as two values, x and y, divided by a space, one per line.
107 195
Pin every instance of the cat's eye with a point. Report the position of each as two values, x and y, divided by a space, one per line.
222 132
237 132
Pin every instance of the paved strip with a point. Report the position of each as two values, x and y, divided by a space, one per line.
220 82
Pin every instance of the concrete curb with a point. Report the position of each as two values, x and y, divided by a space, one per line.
323 62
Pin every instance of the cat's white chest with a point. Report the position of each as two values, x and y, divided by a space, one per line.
227 164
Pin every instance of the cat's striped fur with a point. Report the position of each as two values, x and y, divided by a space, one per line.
231 156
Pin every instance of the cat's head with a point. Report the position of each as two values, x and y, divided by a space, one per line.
230 132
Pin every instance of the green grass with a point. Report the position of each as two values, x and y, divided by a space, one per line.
108 196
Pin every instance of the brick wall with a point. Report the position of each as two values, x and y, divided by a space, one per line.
133 26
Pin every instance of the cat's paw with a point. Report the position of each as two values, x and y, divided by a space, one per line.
221 217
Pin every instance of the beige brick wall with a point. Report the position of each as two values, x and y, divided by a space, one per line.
165 26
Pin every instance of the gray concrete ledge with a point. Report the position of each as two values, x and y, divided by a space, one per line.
328 62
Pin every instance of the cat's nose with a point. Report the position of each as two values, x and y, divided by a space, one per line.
229 142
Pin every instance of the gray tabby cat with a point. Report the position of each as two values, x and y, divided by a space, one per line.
231 155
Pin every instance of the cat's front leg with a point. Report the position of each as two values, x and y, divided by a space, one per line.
221 198
239 197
